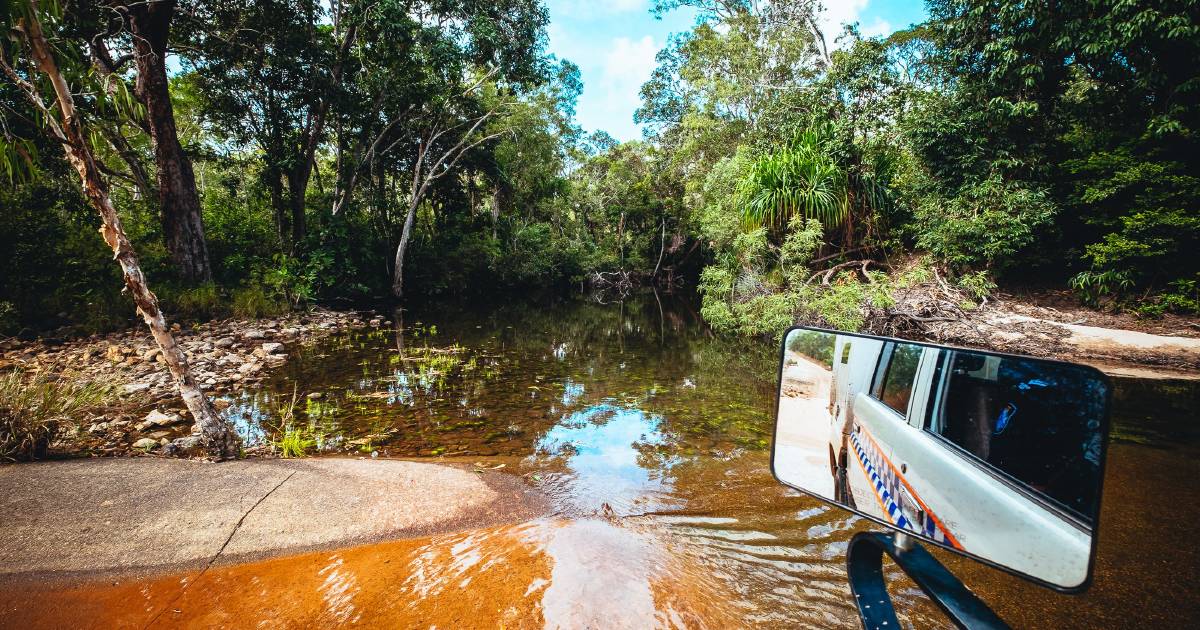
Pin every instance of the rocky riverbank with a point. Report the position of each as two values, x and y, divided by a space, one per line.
226 356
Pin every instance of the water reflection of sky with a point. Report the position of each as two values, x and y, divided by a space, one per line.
571 392
249 415
602 447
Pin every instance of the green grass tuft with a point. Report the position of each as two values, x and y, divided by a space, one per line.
34 408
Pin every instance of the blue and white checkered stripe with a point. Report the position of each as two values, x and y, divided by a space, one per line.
882 489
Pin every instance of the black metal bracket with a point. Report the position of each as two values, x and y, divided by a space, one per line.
864 563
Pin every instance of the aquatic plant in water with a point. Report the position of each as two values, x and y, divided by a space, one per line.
293 441
296 442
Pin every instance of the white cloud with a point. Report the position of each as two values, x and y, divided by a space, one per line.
614 94
880 27
838 13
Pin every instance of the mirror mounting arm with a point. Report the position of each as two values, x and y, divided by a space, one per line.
864 564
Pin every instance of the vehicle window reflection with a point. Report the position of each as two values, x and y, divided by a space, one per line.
1039 423
898 380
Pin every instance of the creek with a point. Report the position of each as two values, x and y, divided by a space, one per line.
650 438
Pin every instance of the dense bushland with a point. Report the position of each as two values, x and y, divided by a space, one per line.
353 151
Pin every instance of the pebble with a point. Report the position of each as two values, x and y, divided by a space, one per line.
218 352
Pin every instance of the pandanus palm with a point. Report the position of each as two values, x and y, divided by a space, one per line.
800 178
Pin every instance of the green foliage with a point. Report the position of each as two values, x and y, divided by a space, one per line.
1092 286
1008 140
978 284
253 301
290 439
199 303
803 241
9 318
798 179
1076 102
35 407
810 343
294 281
295 442
986 226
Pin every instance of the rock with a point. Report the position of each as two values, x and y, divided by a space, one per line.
158 418
151 354
145 444
224 342
290 332
249 367
221 404
187 446
162 419
253 334
272 348
136 388
275 360
98 427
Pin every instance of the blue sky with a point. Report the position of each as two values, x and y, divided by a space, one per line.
614 42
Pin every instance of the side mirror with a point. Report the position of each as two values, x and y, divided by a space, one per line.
997 457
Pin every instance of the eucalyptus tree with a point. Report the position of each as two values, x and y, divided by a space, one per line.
43 68
269 72
425 85
141 31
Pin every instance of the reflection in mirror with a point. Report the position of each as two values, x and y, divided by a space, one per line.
992 455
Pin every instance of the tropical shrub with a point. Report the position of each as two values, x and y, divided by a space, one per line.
986 226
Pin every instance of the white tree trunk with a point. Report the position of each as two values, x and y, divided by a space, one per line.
215 436
398 267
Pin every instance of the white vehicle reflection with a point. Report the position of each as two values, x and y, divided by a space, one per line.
951 445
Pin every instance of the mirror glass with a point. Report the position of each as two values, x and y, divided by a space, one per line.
995 456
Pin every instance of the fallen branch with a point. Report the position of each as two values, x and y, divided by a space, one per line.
827 274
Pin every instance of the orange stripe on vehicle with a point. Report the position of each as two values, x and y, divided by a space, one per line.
928 512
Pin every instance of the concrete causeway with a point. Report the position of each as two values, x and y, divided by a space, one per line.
138 515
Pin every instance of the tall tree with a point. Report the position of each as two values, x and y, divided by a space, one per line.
413 111
67 128
268 70
149 25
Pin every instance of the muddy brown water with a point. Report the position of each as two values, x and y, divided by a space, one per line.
650 439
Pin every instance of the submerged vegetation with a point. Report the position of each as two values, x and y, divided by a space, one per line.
513 373
290 439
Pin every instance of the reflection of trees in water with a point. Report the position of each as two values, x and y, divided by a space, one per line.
518 369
